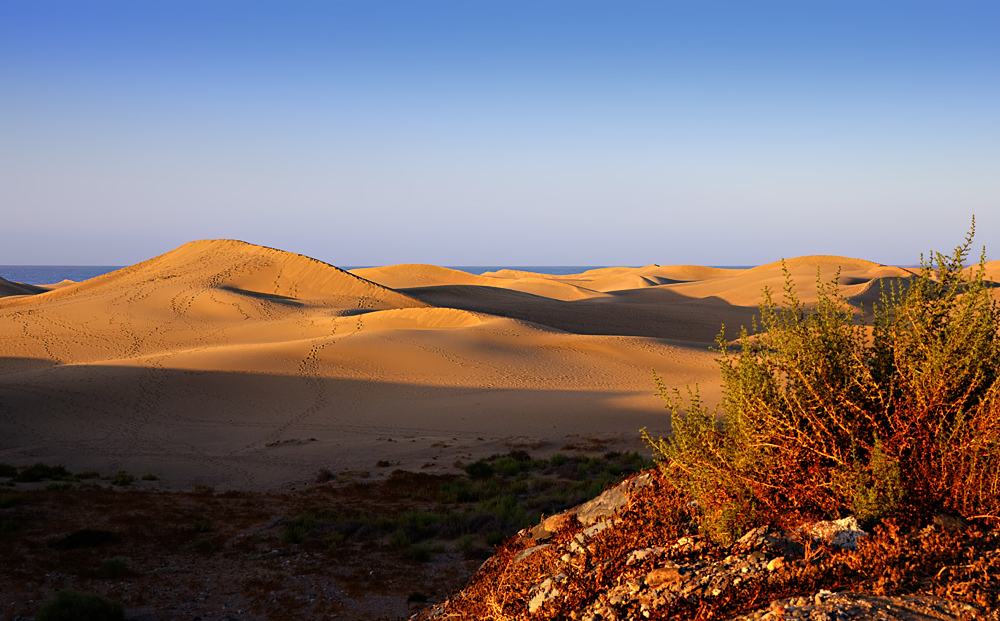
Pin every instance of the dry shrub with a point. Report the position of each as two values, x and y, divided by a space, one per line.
830 411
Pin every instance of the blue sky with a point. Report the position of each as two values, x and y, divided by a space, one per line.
499 132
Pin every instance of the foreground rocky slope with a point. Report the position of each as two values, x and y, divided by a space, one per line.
634 553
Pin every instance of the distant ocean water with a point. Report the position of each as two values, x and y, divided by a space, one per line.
50 274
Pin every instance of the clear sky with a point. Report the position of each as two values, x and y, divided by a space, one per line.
481 132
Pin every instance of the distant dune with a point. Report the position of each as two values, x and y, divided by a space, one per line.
243 366
8 288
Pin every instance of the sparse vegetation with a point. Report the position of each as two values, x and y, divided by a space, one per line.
122 478
829 412
10 500
76 606
40 472
114 567
201 524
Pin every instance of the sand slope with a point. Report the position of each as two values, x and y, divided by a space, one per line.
8 288
244 366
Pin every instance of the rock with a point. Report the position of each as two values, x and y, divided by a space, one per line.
552 525
776 563
543 593
753 539
523 554
950 522
663 576
842 534
605 505
636 556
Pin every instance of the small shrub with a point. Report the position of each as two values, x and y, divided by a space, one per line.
324 474
470 549
122 478
830 412
55 486
7 470
88 474
40 471
334 540
479 469
114 567
383 463
10 500
297 530
400 539
558 459
150 477
466 543
419 553
76 606
416 597
294 533
201 525
204 545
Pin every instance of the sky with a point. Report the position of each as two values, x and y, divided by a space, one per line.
489 132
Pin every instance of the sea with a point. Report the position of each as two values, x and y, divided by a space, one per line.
51 274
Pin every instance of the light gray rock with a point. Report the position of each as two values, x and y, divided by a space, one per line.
605 505
842 534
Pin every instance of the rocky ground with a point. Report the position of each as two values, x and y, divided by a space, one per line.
633 552
628 555
344 545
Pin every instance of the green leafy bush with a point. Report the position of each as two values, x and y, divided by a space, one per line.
76 606
829 411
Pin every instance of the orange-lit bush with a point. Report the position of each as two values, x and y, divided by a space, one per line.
828 411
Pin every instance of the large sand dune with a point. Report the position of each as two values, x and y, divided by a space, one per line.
242 366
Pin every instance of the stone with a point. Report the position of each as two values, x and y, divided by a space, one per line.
543 593
950 522
641 554
605 505
523 554
842 534
776 563
552 525
663 576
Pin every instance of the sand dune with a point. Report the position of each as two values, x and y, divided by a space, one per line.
243 366
8 288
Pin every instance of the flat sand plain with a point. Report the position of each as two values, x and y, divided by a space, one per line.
240 366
